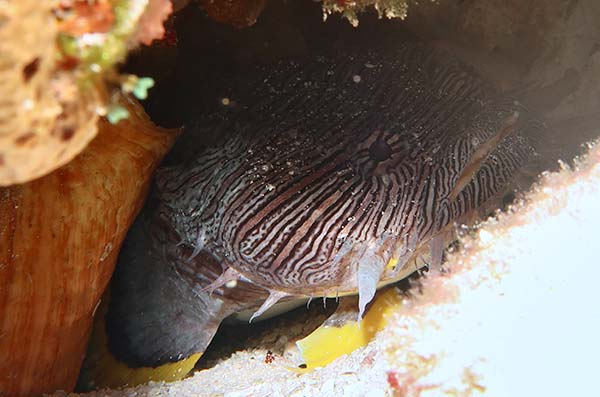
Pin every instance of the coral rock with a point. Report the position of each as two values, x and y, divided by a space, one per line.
44 123
237 13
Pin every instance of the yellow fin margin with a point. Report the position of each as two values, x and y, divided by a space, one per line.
102 370
327 343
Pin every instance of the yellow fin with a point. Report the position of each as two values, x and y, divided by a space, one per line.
391 265
328 342
102 370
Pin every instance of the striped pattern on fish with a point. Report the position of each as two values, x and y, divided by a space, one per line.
329 163
322 173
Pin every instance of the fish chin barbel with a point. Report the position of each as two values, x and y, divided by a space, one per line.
330 176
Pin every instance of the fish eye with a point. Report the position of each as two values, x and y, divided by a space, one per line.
380 150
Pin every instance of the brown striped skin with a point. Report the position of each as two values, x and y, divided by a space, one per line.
328 168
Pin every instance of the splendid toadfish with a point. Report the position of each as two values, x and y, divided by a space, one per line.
328 176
